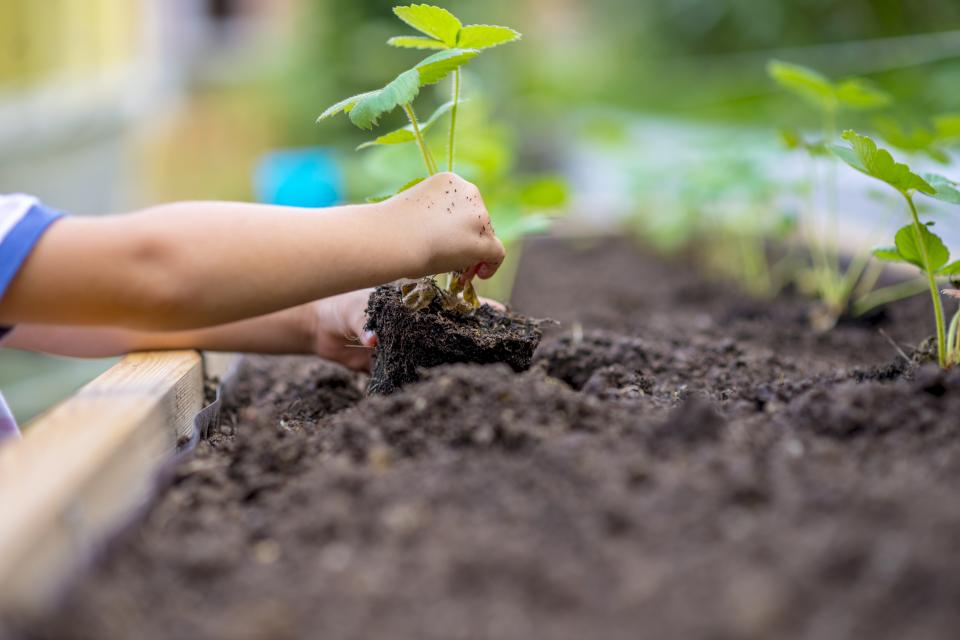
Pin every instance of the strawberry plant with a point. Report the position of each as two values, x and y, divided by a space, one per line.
914 243
834 285
456 44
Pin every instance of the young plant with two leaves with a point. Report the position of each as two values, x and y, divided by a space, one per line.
456 44
833 285
915 243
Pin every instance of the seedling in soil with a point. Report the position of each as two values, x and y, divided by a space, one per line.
915 243
421 325
457 45
833 285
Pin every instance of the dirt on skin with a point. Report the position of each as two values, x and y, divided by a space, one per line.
408 340
680 462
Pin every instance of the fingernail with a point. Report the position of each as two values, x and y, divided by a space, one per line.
368 338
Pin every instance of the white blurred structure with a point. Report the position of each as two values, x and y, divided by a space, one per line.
78 76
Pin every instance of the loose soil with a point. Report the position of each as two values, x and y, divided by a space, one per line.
408 341
680 462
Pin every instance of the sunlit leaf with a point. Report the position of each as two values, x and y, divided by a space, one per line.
888 254
484 36
803 81
344 105
859 94
405 134
436 67
951 269
415 42
413 182
401 90
947 190
864 156
436 22
853 93
911 251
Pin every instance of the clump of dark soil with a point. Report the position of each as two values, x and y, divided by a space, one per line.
678 463
410 340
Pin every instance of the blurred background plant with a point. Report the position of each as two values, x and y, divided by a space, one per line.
657 115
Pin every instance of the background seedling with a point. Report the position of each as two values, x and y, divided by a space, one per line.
457 44
834 285
914 243
932 141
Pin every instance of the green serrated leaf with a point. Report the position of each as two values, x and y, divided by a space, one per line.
405 134
859 94
804 82
951 269
888 254
401 90
345 105
911 251
436 22
864 156
947 190
398 136
415 42
436 67
484 36
412 183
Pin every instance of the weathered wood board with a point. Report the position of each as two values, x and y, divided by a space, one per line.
83 467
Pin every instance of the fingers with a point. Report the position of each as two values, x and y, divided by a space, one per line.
368 339
499 306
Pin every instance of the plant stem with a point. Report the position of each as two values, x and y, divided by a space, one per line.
453 117
932 283
427 158
953 338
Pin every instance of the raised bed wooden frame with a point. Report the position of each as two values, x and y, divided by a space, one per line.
85 466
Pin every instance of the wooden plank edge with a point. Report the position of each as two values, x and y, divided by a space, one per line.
82 469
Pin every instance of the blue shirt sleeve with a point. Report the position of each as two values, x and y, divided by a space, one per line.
23 220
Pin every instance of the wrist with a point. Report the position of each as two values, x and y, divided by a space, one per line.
304 326
409 232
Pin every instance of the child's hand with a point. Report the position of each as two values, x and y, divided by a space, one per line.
336 329
336 326
450 213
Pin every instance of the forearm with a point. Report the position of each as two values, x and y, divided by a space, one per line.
284 332
193 265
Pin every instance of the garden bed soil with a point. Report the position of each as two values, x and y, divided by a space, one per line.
680 462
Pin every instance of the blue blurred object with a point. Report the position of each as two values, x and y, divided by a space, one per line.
308 177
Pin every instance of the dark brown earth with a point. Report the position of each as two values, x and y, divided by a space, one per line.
679 463
408 340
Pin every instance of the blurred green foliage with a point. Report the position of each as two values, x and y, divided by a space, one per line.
700 58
